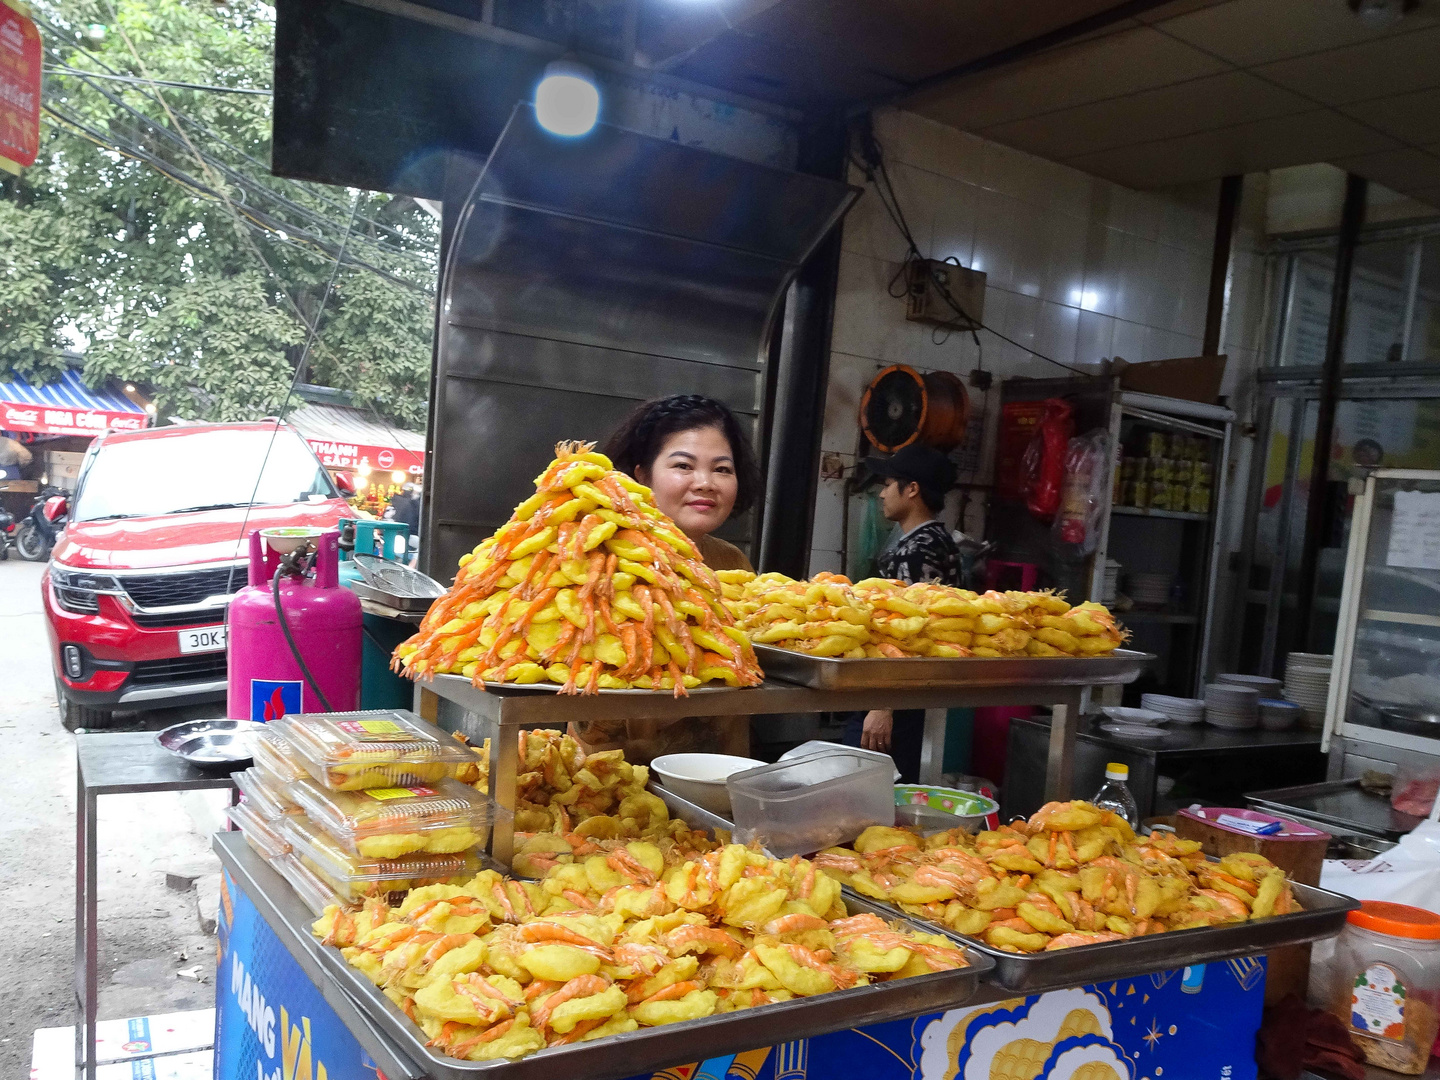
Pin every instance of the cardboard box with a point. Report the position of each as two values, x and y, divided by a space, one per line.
1193 378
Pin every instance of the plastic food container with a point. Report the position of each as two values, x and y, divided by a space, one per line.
1416 784
274 757
805 804
316 893
386 823
384 748
700 778
1385 984
259 834
355 877
263 795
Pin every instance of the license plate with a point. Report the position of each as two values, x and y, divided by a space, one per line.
202 639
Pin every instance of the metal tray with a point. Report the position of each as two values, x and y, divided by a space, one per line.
828 673
1340 805
652 1049
1323 917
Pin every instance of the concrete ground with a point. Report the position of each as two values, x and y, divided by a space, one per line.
149 932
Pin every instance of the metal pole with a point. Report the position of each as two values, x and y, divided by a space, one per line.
1215 306
1352 217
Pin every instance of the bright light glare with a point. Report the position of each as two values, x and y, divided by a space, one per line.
1085 298
567 101
397 477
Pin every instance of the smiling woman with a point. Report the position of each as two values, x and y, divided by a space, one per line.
691 451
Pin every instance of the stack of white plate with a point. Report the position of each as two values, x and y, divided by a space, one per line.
1307 684
1267 686
1235 708
1181 710
1152 590
1112 582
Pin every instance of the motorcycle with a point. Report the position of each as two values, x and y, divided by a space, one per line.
8 529
41 526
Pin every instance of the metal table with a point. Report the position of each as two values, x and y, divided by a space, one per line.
497 714
112 763
1296 749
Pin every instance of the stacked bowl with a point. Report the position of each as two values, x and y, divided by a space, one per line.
1277 715
1307 684
1234 708
1180 710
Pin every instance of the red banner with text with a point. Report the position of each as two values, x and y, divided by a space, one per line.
19 88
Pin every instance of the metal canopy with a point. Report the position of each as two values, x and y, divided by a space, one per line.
584 276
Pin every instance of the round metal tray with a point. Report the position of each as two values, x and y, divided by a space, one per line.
210 744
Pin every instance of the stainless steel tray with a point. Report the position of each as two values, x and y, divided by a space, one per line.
1323 917
649 1049
828 673
1341 805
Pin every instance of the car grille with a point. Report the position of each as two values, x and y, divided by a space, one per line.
189 587
179 669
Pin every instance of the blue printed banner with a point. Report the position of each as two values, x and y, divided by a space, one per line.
271 699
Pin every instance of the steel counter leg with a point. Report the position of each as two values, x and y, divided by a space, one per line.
1060 764
504 764
87 950
932 748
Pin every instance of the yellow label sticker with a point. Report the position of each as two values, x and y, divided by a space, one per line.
370 727
398 792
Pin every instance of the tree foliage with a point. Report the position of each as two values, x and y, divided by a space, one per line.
151 228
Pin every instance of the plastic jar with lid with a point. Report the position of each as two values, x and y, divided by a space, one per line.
1386 984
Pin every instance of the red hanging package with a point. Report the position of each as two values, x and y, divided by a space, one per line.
1043 467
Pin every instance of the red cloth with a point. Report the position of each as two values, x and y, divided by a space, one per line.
1294 1036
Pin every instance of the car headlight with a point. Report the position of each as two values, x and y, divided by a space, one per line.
79 590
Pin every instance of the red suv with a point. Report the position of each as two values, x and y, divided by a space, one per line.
136 591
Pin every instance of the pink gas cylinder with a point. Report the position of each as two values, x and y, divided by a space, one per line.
325 624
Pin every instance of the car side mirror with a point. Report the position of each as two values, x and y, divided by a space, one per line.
346 483
55 507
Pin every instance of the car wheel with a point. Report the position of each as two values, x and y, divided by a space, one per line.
74 715
30 544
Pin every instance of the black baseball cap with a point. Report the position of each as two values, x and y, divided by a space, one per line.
924 465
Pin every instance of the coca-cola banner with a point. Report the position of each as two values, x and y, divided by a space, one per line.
56 420
343 455
19 89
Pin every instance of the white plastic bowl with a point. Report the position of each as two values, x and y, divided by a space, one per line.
700 778
1135 717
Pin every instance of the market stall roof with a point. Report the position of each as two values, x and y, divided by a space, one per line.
67 407
346 438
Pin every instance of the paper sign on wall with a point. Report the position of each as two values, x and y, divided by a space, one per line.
1415 531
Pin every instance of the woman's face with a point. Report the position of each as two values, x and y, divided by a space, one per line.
694 480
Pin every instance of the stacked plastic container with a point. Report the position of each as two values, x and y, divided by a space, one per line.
348 806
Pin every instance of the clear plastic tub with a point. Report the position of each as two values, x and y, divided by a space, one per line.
802 805
315 892
259 833
1417 780
1385 984
386 823
355 877
266 797
275 758
384 748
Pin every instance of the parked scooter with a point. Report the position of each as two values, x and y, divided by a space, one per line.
41 527
8 529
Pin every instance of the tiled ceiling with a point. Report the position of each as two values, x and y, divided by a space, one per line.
1200 89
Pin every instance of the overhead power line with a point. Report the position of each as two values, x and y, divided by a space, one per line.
61 69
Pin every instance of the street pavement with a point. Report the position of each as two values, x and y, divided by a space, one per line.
148 932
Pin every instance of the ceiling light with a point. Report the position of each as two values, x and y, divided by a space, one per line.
567 102
1378 14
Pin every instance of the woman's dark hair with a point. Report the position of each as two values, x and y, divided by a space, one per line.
636 443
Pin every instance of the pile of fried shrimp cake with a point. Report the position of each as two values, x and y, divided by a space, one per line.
567 801
829 616
1072 874
499 968
588 586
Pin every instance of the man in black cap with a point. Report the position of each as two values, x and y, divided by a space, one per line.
916 480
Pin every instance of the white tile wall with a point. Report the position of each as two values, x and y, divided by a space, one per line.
1077 268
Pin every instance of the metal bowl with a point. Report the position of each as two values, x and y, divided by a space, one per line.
210 744
1412 720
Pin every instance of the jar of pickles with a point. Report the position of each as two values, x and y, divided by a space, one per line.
1385 984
